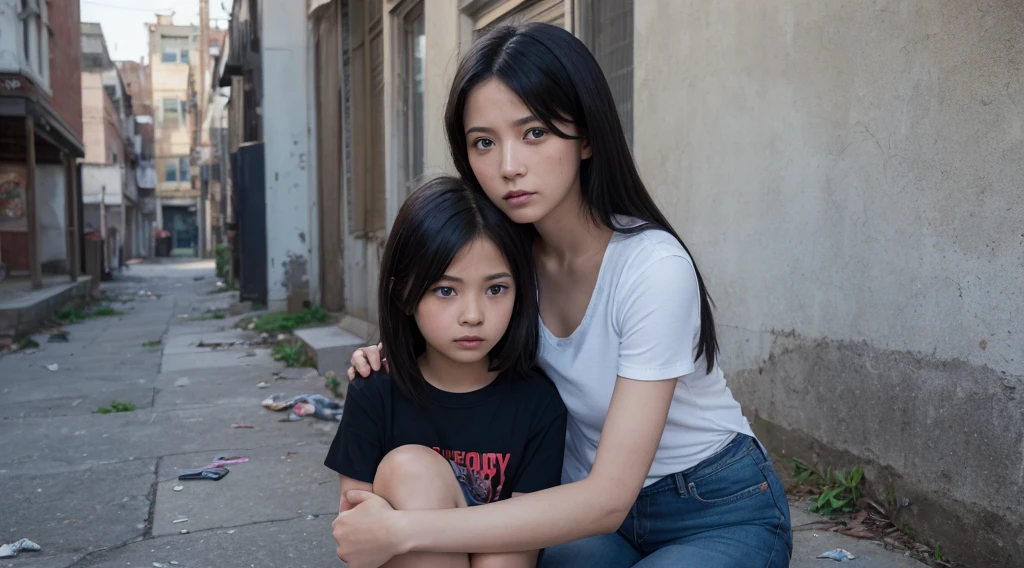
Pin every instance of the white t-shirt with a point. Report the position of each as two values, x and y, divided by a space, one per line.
642 323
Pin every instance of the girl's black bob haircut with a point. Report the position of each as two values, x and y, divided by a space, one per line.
432 227
559 80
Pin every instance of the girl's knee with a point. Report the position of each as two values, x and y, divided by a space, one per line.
416 477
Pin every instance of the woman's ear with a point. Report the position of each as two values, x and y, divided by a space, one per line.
585 149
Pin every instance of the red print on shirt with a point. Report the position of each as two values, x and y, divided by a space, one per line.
485 471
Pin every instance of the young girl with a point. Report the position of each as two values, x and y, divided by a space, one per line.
661 468
462 418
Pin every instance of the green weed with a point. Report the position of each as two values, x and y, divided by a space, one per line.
281 322
116 406
27 343
840 491
292 354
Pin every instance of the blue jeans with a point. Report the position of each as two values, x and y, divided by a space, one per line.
729 511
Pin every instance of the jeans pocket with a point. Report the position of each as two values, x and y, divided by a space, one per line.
737 481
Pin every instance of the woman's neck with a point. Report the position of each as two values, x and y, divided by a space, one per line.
568 233
455 376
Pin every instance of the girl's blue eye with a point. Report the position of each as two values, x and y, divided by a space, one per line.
535 133
444 291
497 289
483 144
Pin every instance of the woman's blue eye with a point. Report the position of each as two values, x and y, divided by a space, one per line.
444 291
497 289
483 144
535 133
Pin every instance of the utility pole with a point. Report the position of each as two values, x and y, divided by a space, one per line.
201 81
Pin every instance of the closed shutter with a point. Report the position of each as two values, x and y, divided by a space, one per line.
606 27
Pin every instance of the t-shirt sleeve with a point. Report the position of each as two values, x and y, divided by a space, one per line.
659 319
545 448
358 446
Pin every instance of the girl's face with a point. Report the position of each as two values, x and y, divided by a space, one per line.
525 169
465 313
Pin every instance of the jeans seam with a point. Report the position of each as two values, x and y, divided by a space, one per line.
775 544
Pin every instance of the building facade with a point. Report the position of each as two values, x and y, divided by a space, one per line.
40 138
110 186
172 48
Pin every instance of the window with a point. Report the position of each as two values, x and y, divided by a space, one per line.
35 40
183 168
173 49
171 170
606 27
413 53
171 113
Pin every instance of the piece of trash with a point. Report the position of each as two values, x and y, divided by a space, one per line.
316 405
58 338
76 403
53 366
212 473
311 517
262 384
241 425
182 382
179 521
183 531
839 555
142 292
179 487
174 562
231 532
13 549
158 565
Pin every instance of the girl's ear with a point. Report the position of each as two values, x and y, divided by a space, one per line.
586 151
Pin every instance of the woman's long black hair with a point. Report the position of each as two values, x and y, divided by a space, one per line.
433 225
559 80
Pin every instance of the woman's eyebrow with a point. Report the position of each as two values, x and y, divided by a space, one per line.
515 124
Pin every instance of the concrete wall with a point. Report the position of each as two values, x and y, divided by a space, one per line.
291 203
95 177
848 176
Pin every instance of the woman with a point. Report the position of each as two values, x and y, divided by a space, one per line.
661 468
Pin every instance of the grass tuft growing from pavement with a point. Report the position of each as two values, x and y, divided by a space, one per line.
282 322
116 406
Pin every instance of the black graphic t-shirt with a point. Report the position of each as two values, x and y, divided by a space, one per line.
507 437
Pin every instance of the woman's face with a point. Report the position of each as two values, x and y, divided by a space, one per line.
524 168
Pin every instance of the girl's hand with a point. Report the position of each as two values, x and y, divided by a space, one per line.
365 360
366 534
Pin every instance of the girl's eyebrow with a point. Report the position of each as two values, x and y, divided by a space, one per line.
515 124
496 276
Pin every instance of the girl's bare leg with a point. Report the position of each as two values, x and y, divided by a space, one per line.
417 478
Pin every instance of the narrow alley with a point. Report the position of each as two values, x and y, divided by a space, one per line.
98 489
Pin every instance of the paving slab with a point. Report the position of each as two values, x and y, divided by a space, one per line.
74 442
277 483
259 357
295 543
98 506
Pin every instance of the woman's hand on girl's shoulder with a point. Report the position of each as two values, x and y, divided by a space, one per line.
366 360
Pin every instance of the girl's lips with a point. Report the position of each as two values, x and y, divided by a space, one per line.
469 342
517 197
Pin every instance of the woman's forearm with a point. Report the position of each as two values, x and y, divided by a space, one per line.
528 522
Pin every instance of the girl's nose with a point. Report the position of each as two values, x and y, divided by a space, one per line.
511 165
